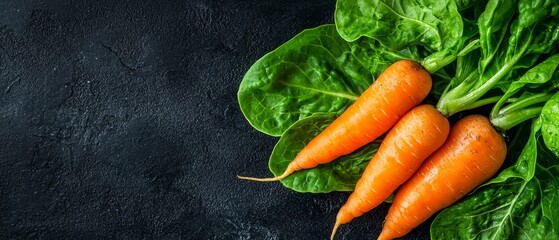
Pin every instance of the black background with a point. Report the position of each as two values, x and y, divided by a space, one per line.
119 119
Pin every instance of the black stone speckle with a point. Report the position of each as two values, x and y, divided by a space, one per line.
119 120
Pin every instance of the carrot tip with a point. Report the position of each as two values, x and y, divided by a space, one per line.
383 235
280 177
261 179
336 226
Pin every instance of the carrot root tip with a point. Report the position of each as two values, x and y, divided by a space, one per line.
280 177
336 226
287 172
261 179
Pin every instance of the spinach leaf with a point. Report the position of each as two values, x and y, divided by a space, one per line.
514 208
316 71
493 25
536 10
539 74
550 124
339 175
435 24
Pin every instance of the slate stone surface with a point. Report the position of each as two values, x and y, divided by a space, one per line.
119 120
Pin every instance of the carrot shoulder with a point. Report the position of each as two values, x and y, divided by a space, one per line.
402 86
473 152
417 135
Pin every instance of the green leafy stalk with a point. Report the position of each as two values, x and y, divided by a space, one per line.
509 120
529 104
483 102
521 109
509 43
461 97
537 75
523 103
440 59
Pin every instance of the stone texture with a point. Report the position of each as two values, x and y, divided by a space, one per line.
119 120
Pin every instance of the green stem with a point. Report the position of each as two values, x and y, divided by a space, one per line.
460 99
459 90
434 62
442 76
516 104
497 107
470 97
507 121
468 48
526 102
483 102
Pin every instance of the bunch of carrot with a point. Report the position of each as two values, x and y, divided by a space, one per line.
430 163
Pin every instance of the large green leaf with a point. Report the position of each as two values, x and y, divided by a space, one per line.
550 124
493 27
316 71
535 10
435 24
339 175
512 208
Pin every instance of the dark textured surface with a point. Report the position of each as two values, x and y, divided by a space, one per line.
119 120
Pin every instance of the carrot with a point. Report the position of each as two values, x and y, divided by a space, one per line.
402 86
417 135
473 152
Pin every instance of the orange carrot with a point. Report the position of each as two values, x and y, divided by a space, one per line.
402 86
416 136
473 152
